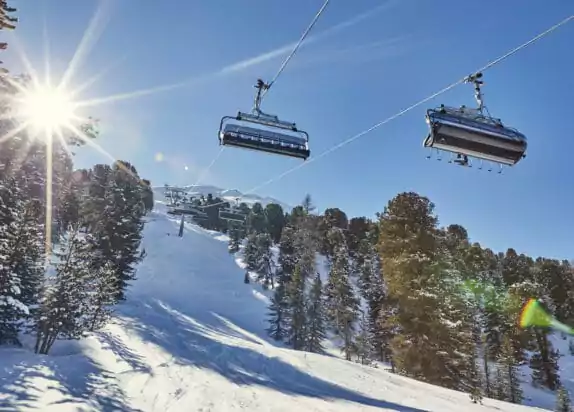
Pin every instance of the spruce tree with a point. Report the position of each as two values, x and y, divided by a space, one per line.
275 221
316 317
411 263
341 301
563 403
363 346
64 303
265 264
118 231
287 256
297 320
102 293
21 256
279 314
544 363
508 365
251 252
234 237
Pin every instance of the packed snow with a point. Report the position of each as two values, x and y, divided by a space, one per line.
191 337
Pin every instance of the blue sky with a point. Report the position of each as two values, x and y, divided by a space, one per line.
381 57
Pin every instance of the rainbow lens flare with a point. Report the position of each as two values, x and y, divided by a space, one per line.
533 314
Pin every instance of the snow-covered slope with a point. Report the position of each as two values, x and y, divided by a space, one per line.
226 194
191 337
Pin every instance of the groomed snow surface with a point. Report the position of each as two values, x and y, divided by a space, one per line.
191 337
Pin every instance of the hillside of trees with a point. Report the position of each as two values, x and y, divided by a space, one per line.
69 240
422 298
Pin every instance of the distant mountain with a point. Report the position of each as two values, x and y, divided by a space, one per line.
226 194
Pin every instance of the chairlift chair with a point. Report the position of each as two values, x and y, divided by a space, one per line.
263 132
233 213
474 133
200 217
189 209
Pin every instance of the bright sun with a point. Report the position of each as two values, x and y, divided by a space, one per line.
46 108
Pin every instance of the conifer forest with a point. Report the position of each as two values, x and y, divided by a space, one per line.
69 239
401 289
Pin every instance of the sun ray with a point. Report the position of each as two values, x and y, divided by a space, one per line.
238 66
49 176
21 127
78 90
142 92
28 68
90 37
90 142
20 156
47 66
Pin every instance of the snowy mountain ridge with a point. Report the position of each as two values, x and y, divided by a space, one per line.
230 195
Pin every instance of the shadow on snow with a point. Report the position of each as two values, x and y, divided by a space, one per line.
78 379
203 345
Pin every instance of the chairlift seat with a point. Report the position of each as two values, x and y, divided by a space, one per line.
232 215
278 138
467 132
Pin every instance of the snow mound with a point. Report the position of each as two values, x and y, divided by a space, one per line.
191 337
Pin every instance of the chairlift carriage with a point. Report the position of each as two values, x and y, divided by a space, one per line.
200 216
474 133
232 213
263 132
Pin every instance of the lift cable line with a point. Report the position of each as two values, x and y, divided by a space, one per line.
295 49
207 169
409 108
265 132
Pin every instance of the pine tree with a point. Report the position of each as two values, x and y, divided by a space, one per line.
384 329
544 363
508 365
363 347
64 304
147 195
278 314
118 231
256 220
297 320
21 254
264 259
500 387
413 269
287 256
250 252
305 247
563 403
342 303
101 295
234 238
275 221
316 318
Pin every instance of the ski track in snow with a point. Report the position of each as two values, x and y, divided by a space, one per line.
191 337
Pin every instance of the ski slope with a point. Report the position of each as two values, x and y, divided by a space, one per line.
191 337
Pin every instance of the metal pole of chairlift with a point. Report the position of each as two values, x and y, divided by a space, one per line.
181 224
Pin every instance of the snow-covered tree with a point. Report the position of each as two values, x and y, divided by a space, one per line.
297 319
340 297
316 317
279 314
64 303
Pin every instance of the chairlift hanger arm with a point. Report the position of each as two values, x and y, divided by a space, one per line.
260 86
475 79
